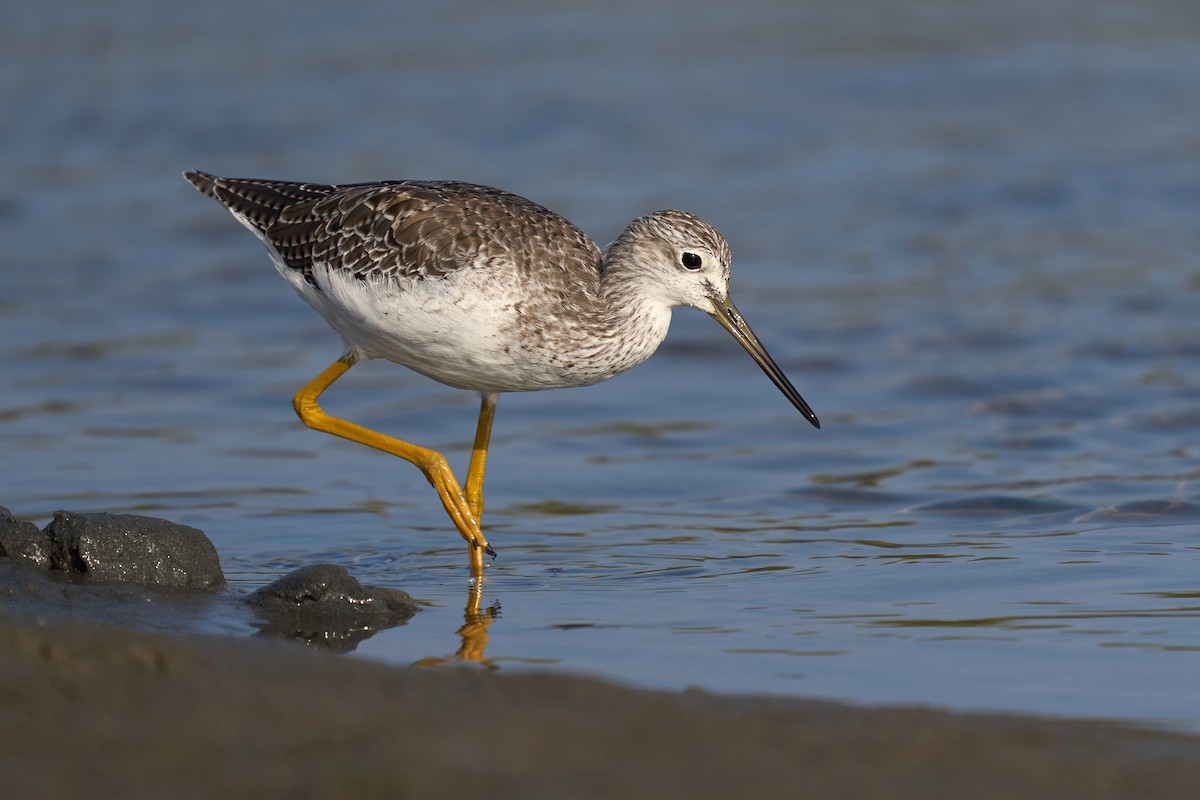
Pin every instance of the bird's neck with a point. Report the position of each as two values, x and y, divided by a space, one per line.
631 313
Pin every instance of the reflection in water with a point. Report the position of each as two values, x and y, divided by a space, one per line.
474 633
340 639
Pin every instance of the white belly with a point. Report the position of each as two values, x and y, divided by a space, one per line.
475 337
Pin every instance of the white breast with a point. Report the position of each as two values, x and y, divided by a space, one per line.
478 337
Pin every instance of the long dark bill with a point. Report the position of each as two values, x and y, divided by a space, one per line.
732 321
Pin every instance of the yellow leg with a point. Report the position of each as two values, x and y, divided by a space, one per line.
483 434
474 487
432 463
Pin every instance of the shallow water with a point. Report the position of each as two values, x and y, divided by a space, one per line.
967 233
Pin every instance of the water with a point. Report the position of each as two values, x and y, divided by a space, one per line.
967 232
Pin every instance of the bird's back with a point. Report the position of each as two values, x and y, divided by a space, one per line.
402 229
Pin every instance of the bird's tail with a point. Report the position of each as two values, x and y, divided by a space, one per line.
258 203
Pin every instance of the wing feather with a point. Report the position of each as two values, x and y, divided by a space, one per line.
398 229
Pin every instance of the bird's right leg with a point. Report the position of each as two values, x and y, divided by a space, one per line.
432 463
475 470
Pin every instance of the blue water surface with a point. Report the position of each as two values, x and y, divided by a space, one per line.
967 231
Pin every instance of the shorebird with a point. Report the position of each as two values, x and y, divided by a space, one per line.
482 290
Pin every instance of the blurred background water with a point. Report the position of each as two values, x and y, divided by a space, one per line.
967 230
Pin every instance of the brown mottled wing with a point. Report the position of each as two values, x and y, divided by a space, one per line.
410 229
379 230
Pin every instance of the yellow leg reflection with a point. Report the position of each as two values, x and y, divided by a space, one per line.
473 633
432 463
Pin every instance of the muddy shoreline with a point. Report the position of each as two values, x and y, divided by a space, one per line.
132 714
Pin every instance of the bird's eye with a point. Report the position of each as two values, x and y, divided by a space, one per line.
690 260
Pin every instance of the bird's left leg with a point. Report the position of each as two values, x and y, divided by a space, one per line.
432 463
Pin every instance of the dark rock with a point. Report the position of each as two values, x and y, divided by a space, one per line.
329 590
19 539
133 549
322 604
